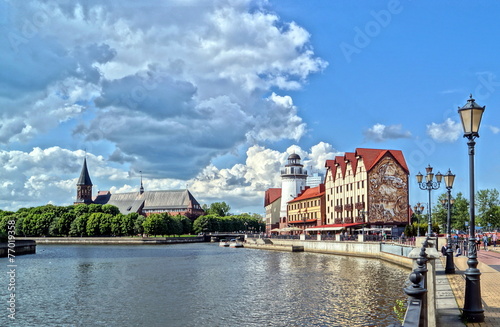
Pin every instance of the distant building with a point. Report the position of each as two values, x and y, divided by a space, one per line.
314 180
174 202
272 204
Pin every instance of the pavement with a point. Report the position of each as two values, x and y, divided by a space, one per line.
489 266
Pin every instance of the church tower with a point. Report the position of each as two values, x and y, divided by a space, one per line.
293 181
84 186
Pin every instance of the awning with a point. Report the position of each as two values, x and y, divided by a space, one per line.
275 230
332 227
291 229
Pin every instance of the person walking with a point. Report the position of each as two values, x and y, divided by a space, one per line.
485 242
494 238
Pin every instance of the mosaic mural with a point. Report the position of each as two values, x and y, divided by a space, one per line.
388 192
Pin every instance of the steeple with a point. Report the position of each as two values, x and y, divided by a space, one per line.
141 190
84 185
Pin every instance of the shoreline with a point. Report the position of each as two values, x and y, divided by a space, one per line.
114 240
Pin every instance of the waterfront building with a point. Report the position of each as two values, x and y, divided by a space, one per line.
308 208
293 181
367 187
272 204
174 202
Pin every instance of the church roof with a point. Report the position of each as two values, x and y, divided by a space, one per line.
84 175
148 200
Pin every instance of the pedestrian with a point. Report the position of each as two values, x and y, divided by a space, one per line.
443 250
485 242
459 252
494 238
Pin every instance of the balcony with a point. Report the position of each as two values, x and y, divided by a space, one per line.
348 207
359 205
338 208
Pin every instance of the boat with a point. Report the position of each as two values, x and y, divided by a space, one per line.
235 244
224 243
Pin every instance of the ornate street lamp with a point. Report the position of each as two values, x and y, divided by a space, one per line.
429 185
418 209
471 114
449 178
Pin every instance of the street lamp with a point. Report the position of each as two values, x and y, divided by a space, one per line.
429 185
471 114
449 178
419 208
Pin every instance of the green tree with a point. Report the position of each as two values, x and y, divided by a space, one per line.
79 226
93 222
155 225
486 201
206 224
127 223
220 209
139 224
459 212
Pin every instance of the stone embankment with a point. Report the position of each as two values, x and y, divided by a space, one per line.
17 247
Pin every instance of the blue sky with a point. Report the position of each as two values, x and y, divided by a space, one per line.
213 95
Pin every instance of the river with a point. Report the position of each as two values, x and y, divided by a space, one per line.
199 284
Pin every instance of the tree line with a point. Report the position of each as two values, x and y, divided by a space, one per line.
487 205
106 220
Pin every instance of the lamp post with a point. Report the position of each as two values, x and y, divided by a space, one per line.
429 185
470 115
449 178
419 208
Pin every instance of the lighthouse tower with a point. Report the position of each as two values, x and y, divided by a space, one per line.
293 181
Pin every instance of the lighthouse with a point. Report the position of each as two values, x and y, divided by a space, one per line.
293 181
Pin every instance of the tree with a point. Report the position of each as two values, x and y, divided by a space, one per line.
459 212
79 226
155 225
220 209
138 224
206 224
486 201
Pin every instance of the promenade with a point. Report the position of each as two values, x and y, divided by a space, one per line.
489 265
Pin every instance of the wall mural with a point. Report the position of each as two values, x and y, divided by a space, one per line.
388 192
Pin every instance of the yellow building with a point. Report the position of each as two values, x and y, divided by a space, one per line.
307 209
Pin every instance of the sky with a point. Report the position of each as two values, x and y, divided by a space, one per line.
213 95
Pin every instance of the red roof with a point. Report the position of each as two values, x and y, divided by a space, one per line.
271 195
310 193
370 158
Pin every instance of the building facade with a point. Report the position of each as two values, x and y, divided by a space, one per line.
368 186
308 209
272 204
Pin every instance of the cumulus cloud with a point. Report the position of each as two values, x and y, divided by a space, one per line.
448 131
167 86
381 133
494 129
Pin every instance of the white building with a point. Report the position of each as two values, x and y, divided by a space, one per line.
293 181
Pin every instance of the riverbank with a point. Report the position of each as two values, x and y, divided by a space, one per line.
115 240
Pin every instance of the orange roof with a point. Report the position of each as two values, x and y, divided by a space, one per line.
310 193
271 195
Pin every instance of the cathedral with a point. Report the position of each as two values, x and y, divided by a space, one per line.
174 202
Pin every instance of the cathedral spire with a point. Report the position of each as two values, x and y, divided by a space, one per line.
141 190
84 185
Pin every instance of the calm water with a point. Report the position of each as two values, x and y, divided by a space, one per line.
199 285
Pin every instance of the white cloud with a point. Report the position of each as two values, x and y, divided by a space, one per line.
381 133
168 86
448 131
494 129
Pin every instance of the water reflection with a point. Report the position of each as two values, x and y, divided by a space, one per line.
202 284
